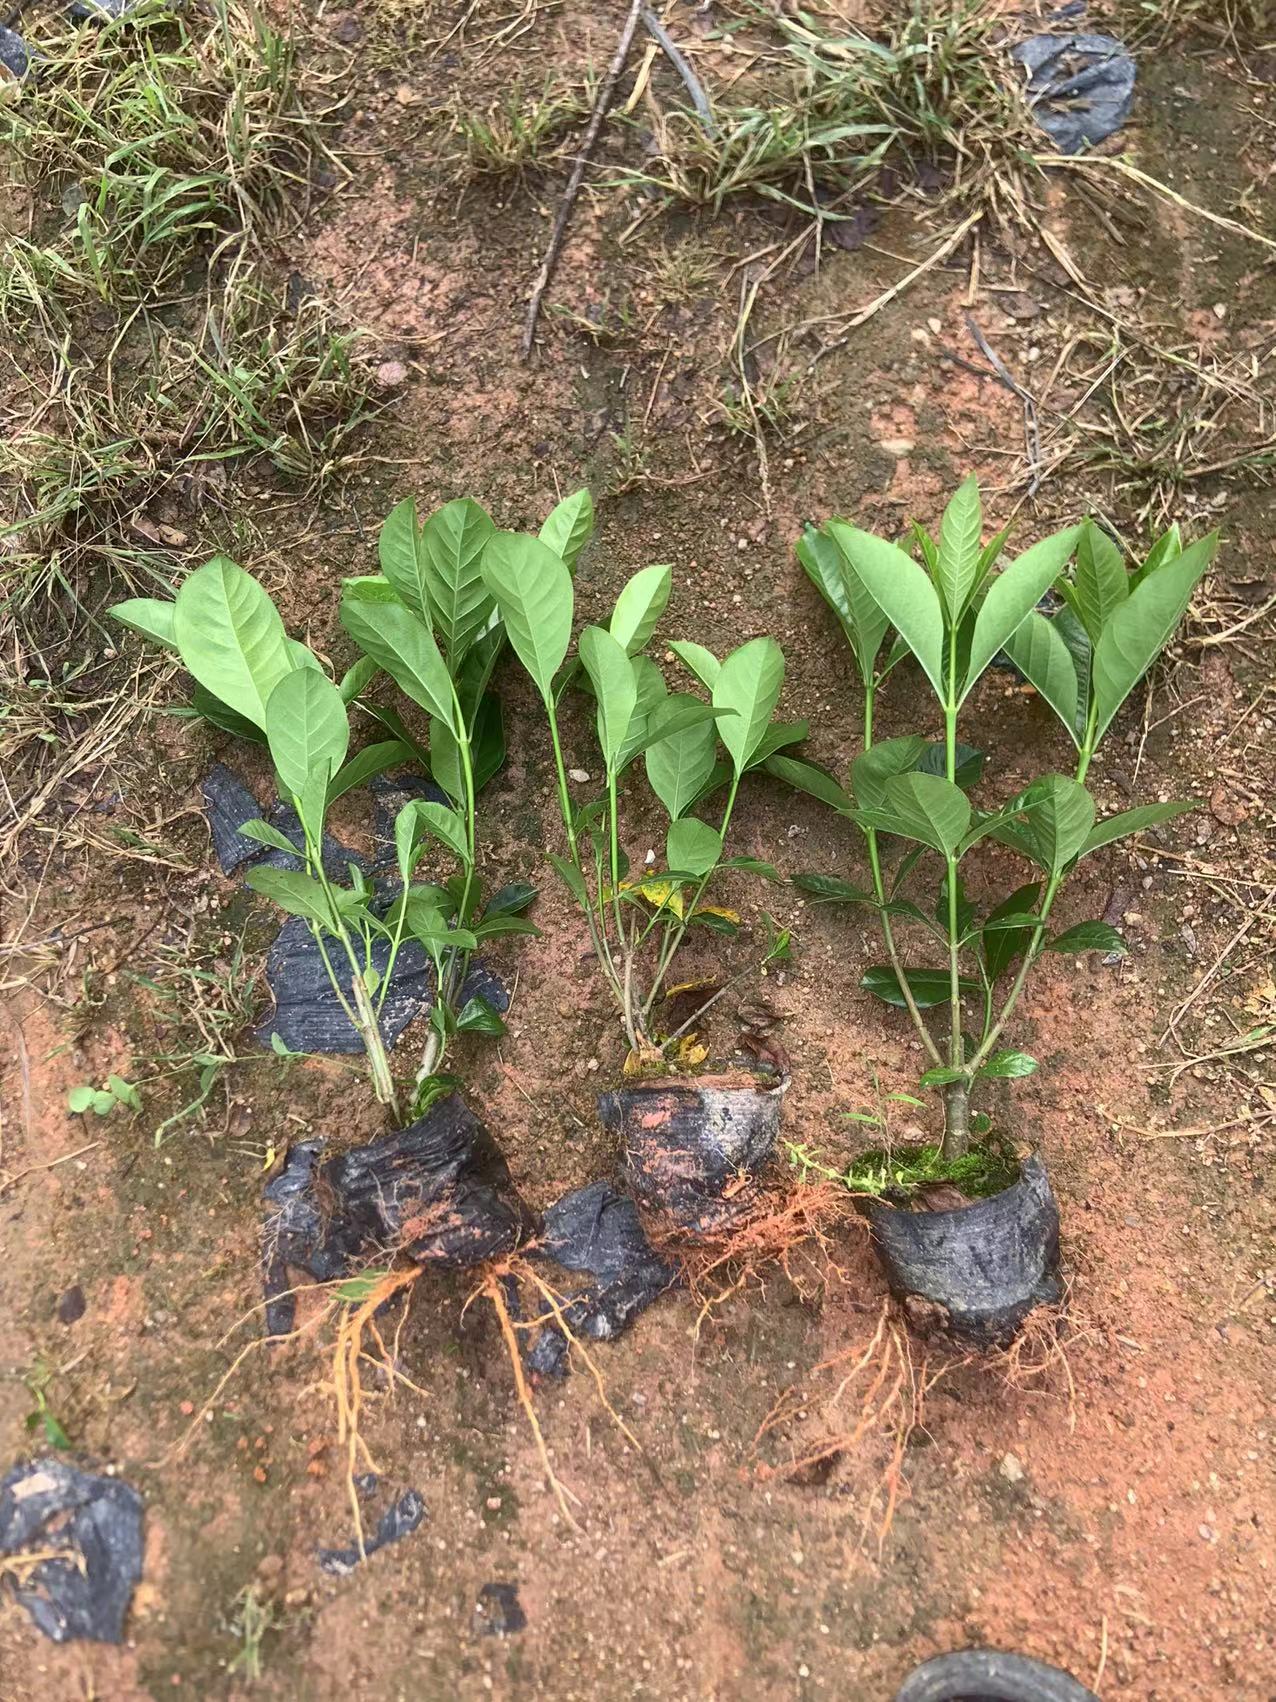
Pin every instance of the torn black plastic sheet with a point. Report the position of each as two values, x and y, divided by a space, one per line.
438 1192
229 803
1080 87
597 1231
398 1521
990 1675
92 1526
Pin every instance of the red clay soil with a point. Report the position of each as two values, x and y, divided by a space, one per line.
1103 1499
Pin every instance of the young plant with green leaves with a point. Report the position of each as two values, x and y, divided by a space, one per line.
638 922
954 612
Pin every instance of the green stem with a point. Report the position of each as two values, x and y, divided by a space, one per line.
597 938
674 936
956 1094
613 837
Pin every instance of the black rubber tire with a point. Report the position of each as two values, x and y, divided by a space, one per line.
990 1675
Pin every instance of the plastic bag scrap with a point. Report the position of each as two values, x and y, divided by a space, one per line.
990 1675
439 1191
15 56
597 1231
229 804
399 1520
93 1526
498 1611
1080 87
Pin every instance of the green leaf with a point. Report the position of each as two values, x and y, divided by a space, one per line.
402 559
1007 1065
1136 632
533 591
777 736
569 527
902 590
476 1016
874 767
1100 583
1166 547
231 637
418 818
639 606
307 729
80 1099
264 834
692 846
715 923
365 764
941 1075
103 1103
832 574
151 616
1050 822
806 777
968 766
1133 821
1000 944
924 807
459 603
929 987
830 889
1012 597
1043 658
222 716
292 891
369 588
611 673
510 900
571 878
488 740
446 767
702 663
357 679
504 925
1088 936
401 642
679 764
125 1092
957 560
749 683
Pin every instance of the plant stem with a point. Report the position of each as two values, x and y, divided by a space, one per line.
613 836
956 1140
674 936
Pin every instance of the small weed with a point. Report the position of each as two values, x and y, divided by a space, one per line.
42 1417
519 132
685 271
117 1094
255 1615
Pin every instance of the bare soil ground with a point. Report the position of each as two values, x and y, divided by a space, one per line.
1110 1508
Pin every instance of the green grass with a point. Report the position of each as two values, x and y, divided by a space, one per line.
989 1167
519 131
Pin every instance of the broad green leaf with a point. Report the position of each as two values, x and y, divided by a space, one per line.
510 900
151 616
671 714
749 683
1042 657
262 833
929 987
1001 944
1133 821
806 777
941 1075
702 663
968 763
402 558
832 574
1012 597
1139 628
445 761
488 740
1007 1065
1100 583
612 673
830 889
371 587
293 891
533 591
569 527
924 807
777 736
221 715
1051 822
902 590
693 847
307 729
679 764
365 764
476 1016
504 925
231 637
357 678
960 548
639 606
401 642
653 695
418 818
1166 547
873 768
80 1099
1088 936
125 1092
459 603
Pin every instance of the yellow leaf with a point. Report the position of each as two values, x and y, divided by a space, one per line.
664 895
701 984
690 1053
717 910
1262 999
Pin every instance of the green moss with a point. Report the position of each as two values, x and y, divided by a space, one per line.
986 1169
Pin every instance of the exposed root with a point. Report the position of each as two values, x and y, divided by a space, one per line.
491 1290
874 1394
1037 1355
786 1228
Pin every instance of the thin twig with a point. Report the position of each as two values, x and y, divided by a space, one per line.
606 90
673 53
